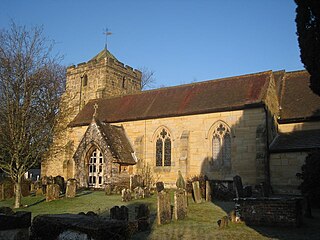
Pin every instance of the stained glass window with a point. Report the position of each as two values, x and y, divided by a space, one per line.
163 149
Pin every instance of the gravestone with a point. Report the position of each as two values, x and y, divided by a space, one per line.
32 188
6 189
71 189
53 192
25 187
60 181
39 192
159 186
223 222
146 192
108 189
196 192
238 186
208 191
163 207
126 195
180 204
119 213
138 193
247 191
143 217
180 183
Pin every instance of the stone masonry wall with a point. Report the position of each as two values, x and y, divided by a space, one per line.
283 170
277 212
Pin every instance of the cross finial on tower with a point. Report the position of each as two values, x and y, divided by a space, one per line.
107 33
95 106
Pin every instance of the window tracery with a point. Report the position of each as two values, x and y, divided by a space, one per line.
221 146
163 148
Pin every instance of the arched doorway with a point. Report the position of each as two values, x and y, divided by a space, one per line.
96 169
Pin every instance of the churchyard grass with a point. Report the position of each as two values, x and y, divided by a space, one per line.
201 222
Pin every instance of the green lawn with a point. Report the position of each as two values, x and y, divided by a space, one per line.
201 222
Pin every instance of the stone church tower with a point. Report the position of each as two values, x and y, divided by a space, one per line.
101 77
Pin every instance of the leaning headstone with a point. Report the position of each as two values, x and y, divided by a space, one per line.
71 189
208 191
119 213
143 217
163 207
159 186
53 192
238 186
196 192
180 204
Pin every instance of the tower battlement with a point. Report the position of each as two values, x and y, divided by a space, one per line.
101 77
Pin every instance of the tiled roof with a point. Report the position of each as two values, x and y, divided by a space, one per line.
204 97
296 141
298 102
118 142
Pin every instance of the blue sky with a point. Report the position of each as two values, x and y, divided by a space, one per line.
181 40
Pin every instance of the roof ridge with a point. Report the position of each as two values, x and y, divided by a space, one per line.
190 84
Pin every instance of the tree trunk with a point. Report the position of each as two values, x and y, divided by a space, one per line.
17 193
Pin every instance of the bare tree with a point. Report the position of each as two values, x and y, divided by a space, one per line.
31 84
147 80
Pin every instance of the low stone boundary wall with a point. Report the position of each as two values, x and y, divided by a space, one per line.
282 212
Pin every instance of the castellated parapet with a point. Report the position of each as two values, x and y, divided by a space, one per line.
101 77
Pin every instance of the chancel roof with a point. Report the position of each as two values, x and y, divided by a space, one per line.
298 102
296 141
203 97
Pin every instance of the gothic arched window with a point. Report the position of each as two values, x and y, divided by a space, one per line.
163 148
221 146
96 169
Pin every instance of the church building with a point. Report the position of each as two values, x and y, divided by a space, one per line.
259 126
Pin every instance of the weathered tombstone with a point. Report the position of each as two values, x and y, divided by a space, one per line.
6 189
146 192
39 192
163 207
119 213
180 204
238 186
25 188
44 183
108 189
71 189
60 181
180 183
143 217
159 186
53 192
32 188
126 195
196 192
208 191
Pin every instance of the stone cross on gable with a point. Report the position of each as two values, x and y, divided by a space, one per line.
95 106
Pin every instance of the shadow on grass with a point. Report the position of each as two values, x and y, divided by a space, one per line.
36 203
83 193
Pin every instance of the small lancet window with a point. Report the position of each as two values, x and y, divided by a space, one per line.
123 82
84 80
163 149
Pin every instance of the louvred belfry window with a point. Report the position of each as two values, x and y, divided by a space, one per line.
221 146
163 149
